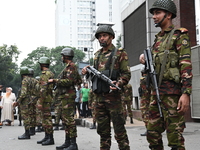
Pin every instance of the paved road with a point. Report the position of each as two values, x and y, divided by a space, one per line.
89 140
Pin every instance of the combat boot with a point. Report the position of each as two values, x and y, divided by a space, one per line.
24 136
32 131
144 134
49 141
38 129
93 126
44 139
131 120
56 127
63 127
65 145
73 145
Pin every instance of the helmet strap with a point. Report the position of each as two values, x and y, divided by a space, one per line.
159 23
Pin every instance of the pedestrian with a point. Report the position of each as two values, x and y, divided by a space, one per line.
113 63
77 102
91 105
69 78
1 95
127 101
84 98
7 107
45 100
23 100
174 78
144 93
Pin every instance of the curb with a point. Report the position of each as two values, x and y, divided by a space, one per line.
83 122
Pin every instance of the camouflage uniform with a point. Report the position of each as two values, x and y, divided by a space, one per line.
127 99
32 104
170 91
23 100
144 99
67 94
91 104
57 109
108 105
45 100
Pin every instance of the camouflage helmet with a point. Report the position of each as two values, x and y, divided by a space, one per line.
167 5
67 52
31 71
104 28
44 60
24 71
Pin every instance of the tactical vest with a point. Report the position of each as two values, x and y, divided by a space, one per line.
113 74
171 71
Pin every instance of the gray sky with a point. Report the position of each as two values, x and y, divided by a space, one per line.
28 24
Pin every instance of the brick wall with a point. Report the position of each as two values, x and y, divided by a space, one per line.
186 17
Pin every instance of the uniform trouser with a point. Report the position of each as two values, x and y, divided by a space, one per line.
58 112
172 122
105 112
127 107
24 110
68 117
47 118
32 113
144 107
38 117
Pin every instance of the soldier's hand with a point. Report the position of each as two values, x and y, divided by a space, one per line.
50 80
84 70
142 59
183 104
39 107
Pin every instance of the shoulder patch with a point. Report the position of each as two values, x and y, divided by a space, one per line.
183 30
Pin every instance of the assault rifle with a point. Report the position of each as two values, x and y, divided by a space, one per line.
101 76
151 76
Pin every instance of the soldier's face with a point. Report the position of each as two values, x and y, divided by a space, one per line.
159 15
105 39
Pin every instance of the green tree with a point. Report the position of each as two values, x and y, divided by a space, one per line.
9 74
118 44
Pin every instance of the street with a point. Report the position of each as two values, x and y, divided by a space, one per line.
89 140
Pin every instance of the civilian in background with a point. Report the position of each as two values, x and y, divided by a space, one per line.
77 102
7 106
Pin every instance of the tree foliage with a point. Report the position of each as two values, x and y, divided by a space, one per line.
8 67
118 44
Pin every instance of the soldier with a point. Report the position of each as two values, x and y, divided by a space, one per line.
23 101
67 93
45 100
174 78
127 101
144 93
113 63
